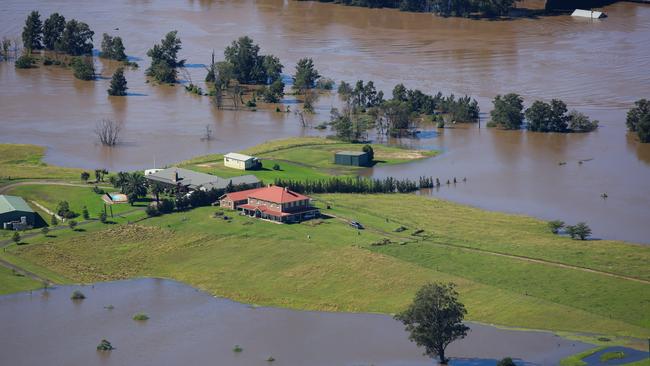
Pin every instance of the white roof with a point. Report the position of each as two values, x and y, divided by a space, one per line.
587 14
237 156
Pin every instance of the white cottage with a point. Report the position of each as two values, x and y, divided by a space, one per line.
240 161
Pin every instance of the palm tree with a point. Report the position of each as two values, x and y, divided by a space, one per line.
156 189
134 185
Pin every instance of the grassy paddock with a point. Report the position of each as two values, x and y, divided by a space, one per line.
327 265
11 282
19 161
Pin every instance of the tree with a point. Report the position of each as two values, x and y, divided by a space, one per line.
248 66
435 319
507 111
85 176
344 90
274 93
53 220
135 186
45 230
638 120
63 209
72 224
273 69
545 117
506 362
83 68
25 62
85 214
118 84
103 217
555 226
579 122
112 48
306 75
77 38
16 237
6 46
108 132
571 231
164 58
33 32
53 31
582 231
156 189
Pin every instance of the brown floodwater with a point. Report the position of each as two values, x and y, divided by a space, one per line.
190 327
598 67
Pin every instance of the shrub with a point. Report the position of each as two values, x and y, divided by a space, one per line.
555 226
45 230
141 317
166 206
270 359
441 124
72 224
105 345
371 153
489 124
85 214
54 221
77 295
276 166
83 68
582 231
98 190
25 62
16 237
506 362
103 217
152 211
400 229
325 84
237 349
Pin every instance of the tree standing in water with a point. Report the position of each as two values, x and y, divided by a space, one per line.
118 84
33 32
435 319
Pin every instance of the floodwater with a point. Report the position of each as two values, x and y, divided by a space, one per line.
598 67
187 326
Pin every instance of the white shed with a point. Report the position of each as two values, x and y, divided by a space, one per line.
240 161
588 14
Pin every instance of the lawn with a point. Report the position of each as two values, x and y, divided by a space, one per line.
24 162
327 265
11 282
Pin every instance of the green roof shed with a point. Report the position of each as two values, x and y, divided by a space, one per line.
354 158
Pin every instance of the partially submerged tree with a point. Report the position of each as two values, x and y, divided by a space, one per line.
507 111
118 83
638 120
164 59
33 32
435 319
83 68
112 48
53 31
77 38
306 75
108 132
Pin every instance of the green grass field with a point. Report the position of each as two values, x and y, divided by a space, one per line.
327 265
11 282
24 162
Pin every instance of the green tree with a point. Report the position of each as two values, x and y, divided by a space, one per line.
77 38
306 75
103 217
579 122
273 69
156 189
506 362
85 214
16 237
45 230
53 31
248 66
63 208
25 62
112 48
33 32
507 111
582 231
638 119
118 84
85 176
435 319
371 153
83 68
555 226
341 124
274 93
164 58
344 90
72 224
53 220
135 186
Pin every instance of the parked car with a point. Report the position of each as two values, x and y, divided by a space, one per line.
356 225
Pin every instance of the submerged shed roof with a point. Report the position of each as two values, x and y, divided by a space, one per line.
13 203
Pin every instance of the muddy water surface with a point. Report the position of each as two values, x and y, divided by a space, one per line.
189 327
598 67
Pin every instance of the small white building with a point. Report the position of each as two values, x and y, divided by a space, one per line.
588 14
240 161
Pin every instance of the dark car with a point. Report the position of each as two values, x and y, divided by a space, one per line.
356 225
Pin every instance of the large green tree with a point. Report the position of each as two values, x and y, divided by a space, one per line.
33 32
118 83
435 319
77 38
164 58
547 117
638 119
53 31
306 75
112 48
249 66
507 111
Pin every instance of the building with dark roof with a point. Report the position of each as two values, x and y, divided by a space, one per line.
272 203
15 213
191 180
354 158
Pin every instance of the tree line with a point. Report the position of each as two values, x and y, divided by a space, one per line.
509 113
453 8
356 185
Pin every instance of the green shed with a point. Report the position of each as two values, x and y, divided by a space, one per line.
14 211
354 158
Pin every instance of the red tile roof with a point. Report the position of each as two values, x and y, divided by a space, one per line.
277 194
264 209
241 195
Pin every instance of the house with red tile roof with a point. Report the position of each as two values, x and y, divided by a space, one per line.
272 203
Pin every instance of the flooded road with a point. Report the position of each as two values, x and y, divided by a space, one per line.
597 67
190 327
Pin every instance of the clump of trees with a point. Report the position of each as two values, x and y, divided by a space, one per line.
118 83
454 8
508 113
63 210
112 48
164 59
25 61
580 230
435 319
83 68
249 66
638 120
76 39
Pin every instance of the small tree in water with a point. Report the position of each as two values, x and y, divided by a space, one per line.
118 84
435 319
